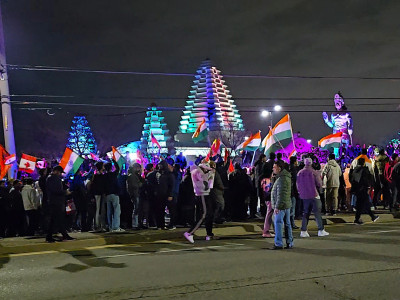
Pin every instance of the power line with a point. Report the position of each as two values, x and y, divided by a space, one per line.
205 98
257 76
91 105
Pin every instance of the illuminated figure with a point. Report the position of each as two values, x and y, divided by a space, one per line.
341 121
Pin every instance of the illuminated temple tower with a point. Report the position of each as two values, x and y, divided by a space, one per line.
154 123
209 99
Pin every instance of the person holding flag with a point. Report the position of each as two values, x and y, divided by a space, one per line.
112 191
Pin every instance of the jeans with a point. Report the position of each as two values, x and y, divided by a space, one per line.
313 205
113 211
100 219
268 217
136 214
283 218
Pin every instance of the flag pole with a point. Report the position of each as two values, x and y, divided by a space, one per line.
254 155
291 130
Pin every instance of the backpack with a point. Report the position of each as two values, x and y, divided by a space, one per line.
388 172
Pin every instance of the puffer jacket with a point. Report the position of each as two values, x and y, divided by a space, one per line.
30 197
281 191
332 172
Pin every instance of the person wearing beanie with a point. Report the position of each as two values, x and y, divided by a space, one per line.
308 183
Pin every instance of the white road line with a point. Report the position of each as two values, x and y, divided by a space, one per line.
382 231
166 251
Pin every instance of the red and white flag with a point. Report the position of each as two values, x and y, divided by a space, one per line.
27 163
10 159
216 147
154 140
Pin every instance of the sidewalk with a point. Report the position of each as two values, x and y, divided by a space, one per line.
85 240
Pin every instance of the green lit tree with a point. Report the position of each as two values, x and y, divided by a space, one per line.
81 138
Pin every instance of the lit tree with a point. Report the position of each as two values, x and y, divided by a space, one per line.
81 138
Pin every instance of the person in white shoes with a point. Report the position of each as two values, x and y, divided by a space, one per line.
203 181
308 183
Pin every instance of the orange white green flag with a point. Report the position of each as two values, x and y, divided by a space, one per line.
118 157
252 143
279 136
201 132
331 141
71 161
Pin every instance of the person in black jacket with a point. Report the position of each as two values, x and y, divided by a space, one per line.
361 181
15 212
56 199
112 198
135 182
97 189
240 186
161 183
3 205
293 168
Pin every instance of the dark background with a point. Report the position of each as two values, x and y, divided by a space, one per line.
307 38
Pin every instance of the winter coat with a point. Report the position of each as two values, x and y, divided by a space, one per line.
203 180
380 163
361 179
308 183
332 172
134 183
111 185
55 190
293 171
161 184
30 197
281 191
97 186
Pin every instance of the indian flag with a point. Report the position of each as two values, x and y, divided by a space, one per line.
201 132
252 143
279 136
70 161
118 157
330 141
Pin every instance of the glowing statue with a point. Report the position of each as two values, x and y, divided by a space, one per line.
341 121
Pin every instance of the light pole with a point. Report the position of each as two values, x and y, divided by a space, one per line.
8 127
265 114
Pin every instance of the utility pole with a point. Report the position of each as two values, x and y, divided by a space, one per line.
8 127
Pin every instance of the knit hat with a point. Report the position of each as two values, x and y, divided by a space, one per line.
308 161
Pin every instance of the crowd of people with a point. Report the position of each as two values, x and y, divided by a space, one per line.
101 198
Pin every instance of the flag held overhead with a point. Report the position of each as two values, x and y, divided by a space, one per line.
71 161
201 132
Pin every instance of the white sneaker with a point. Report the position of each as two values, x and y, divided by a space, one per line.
118 230
209 238
322 232
189 237
304 234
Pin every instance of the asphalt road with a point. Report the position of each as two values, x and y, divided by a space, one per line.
354 262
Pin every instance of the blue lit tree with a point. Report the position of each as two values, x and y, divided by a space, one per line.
81 138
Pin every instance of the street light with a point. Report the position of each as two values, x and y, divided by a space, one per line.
265 113
277 108
309 141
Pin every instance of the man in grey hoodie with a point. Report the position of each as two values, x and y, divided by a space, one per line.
332 172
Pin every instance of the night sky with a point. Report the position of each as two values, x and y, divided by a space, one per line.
302 38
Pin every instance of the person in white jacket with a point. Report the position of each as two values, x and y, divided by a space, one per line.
203 181
30 197
332 172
